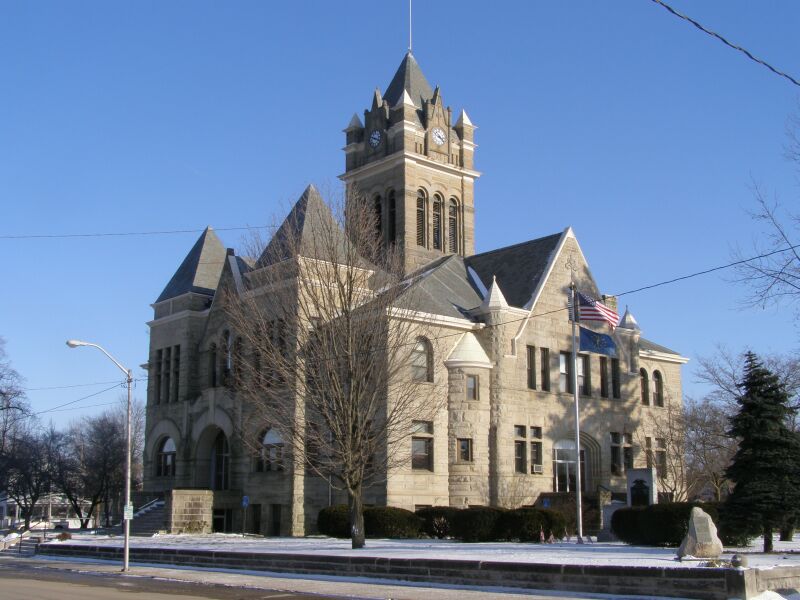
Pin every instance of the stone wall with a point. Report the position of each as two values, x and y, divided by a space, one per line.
189 511
681 582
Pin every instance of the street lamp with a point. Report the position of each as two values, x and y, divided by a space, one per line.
128 512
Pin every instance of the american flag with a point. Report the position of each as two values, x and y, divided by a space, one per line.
590 309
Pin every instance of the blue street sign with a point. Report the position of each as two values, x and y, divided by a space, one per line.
245 501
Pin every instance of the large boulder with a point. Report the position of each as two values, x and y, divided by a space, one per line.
701 541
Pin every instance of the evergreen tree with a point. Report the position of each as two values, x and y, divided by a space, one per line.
766 467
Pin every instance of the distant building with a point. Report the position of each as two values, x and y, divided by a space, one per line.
507 432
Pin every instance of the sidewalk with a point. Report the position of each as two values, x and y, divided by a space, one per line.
357 588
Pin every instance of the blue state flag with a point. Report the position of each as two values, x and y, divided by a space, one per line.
591 341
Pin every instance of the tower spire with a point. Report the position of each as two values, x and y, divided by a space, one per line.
409 25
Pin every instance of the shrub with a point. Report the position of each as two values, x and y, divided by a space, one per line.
390 522
437 520
64 536
657 525
529 524
476 524
334 521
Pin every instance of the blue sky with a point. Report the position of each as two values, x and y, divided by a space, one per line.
616 118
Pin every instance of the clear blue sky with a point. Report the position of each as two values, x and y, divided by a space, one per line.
613 117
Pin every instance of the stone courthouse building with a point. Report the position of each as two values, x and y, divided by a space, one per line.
505 433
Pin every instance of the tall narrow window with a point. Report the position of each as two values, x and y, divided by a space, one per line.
644 384
176 372
270 458
422 361
464 449
565 372
422 201
452 226
520 458
584 376
422 446
378 216
603 377
472 387
159 366
658 391
166 371
212 365
621 452
615 386
536 449
531 367
437 222
544 364
391 225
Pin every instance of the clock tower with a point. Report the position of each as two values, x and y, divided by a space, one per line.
414 165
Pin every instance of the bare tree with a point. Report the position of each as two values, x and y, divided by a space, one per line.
709 448
666 449
28 471
333 365
13 405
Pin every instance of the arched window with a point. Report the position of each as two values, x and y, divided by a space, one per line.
270 456
422 361
391 225
437 222
658 392
452 226
212 365
237 360
645 385
165 458
422 207
378 216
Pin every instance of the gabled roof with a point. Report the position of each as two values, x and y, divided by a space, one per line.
441 288
518 268
200 270
408 77
309 224
653 347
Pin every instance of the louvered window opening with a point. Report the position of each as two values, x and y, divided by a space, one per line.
452 231
437 223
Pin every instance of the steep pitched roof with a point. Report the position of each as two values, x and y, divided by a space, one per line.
200 270
408 77
441 288
518 268
309 223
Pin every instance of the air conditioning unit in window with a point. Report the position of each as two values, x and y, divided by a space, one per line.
537 469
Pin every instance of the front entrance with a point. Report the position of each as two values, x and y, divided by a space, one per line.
275 521
564 479
222 520
220 463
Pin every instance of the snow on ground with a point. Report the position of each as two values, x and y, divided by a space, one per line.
569 553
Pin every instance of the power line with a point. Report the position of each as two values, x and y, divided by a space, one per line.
123 233
41 412
726 42
83 407
65 387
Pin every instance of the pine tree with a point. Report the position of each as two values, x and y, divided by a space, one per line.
766 467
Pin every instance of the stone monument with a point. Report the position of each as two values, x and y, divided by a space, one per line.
701 541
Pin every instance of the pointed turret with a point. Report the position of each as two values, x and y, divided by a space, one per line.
377 100
463 119
409 77
494 300
355 123
628 322
200 270
468 353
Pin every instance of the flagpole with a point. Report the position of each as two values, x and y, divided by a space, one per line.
579 517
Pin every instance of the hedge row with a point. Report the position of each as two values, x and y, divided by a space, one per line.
667 524
476 524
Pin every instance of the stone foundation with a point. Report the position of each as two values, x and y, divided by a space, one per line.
189 511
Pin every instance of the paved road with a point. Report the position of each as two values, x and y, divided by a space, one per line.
20 581
39 578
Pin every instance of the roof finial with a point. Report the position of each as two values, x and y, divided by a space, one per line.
409 25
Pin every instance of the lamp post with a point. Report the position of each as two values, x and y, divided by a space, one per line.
128 511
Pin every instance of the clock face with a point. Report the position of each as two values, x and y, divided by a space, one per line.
438 136
375 138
